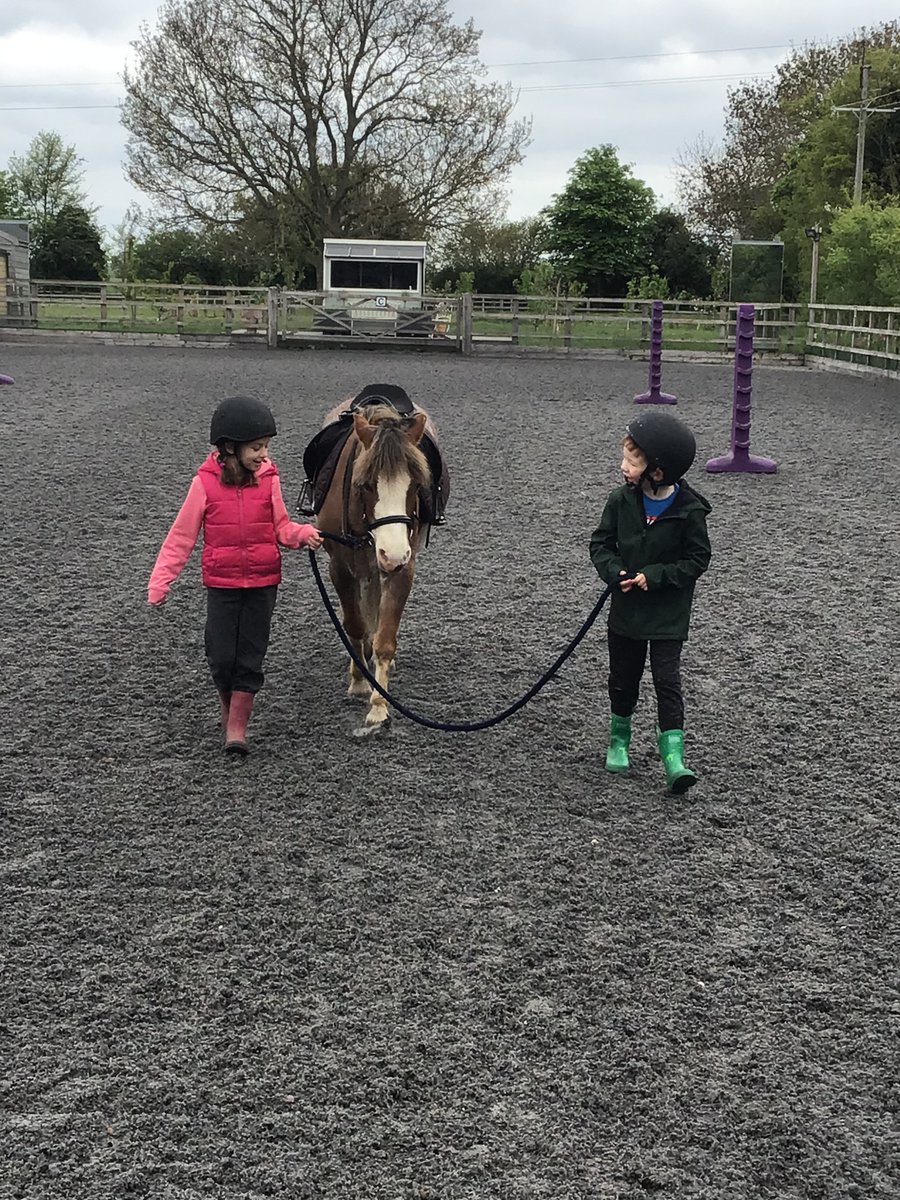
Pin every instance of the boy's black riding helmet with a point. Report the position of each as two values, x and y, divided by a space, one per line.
665 441
241 419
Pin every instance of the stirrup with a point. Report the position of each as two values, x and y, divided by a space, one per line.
305 500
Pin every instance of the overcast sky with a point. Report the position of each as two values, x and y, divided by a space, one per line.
648 76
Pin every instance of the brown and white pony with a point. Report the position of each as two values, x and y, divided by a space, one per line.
374 497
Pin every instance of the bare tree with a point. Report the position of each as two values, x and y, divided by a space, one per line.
317 117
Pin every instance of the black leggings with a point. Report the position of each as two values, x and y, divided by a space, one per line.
238 621
627 659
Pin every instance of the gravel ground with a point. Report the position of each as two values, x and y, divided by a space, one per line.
448 967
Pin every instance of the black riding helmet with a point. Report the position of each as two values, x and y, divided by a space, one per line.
241 419
665 442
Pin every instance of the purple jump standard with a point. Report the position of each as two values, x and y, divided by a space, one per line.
654 395
739 457
6 379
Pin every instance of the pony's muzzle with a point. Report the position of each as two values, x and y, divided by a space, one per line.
389 563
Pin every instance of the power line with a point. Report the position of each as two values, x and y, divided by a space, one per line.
571 87
553 62
550 87
54 107
98 83
539 62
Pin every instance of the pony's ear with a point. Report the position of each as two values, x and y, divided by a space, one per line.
363 430
416 427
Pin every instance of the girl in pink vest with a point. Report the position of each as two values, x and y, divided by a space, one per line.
235 498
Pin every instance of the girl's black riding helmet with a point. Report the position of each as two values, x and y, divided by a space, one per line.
665 442
241 419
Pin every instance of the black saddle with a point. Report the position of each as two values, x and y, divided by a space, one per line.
321 455
383 393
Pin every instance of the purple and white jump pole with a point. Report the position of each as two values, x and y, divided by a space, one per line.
739 457
6 379
653 395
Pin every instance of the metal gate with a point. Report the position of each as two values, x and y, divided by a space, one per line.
425 321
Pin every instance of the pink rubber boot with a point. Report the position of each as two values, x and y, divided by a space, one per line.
238 718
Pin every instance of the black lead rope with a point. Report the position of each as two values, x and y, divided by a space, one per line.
449 726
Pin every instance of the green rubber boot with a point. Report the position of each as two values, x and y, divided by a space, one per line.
619 741
671 748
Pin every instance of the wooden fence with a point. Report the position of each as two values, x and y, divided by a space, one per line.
856 338
603 324
137 307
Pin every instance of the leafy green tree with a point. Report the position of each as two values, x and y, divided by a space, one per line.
121 242
494 252
9 196
649 287
725 191
170 255
67 245
540 280
861 257
679 256
598 226
48 178
819 176
317 118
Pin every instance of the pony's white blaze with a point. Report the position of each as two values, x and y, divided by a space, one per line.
392 548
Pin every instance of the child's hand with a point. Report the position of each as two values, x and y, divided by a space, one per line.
627 581
157 599
313 540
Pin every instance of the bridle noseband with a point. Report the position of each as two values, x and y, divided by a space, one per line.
397 520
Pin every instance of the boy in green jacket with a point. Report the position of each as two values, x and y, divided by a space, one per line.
651 546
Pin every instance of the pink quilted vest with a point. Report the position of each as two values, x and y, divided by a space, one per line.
239 548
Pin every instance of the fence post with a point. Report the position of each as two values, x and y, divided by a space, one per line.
467 307
104 310
514 327
272 318
179 312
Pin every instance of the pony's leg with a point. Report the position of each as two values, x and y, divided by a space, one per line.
354 624
394 594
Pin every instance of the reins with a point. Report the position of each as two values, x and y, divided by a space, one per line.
444 726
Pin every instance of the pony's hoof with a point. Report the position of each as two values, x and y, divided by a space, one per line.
365 731
359 690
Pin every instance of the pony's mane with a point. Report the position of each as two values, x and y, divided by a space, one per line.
391 451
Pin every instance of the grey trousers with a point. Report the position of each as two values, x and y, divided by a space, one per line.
238 621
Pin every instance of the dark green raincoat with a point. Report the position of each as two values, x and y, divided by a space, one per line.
672 553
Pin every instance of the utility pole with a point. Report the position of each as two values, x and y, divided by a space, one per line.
862 111
814 233
861 133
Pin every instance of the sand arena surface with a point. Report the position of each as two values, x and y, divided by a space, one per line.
448 967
